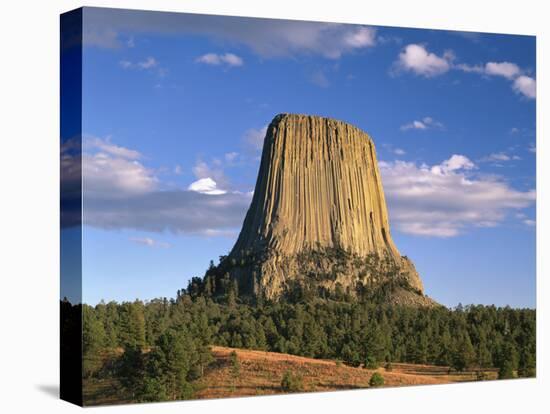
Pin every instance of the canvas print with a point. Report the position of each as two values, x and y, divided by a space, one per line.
259 206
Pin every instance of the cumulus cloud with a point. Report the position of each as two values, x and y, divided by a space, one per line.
423 124
215 172
455 163
107 167
505 69
526 86
227 59
361 37
521 83
206 186
417 59
149 242
446 199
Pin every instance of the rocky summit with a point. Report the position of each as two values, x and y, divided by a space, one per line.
318 223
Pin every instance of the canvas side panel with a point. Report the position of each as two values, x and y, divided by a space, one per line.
71 206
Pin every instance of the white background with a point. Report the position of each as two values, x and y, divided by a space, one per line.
29 217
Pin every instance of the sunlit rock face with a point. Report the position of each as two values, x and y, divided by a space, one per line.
318 218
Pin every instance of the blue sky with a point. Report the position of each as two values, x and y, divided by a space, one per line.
174 111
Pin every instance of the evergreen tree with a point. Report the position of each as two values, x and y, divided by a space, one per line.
93 340
464 353
507 361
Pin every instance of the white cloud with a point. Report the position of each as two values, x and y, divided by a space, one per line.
214 59
526 86
231 156
202 169
426 123
416 58
268 38
530 223
532 148
121 193
445 200
361 37
399 151
178 170
254 138
206 186
149 242
497 156
106 146
272 39
464 67
455 163
505 69
521 84
106 38
149 63
115 169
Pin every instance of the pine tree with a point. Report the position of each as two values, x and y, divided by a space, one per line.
93 340
464 353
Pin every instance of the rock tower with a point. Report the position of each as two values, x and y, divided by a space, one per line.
318 220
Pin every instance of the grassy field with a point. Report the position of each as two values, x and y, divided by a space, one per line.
260 373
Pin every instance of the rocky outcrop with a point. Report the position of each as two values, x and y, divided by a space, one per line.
318 217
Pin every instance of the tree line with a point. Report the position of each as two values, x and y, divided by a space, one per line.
163 345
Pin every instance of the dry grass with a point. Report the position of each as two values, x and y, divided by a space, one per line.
260 373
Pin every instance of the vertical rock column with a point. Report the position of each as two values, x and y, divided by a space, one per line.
318 187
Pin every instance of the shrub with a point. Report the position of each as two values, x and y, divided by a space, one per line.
235 364
388 366
527 372
506 371
371 362
376 380
292 382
